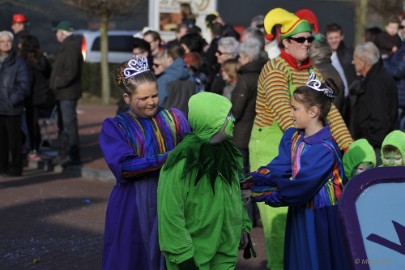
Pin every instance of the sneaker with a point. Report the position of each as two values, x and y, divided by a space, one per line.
33 156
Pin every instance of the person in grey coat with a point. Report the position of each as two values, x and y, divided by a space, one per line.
14 88
65 81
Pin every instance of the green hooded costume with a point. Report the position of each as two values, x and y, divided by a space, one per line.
359 151
200 210
395 138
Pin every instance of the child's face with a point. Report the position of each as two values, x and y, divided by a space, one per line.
144 103
362 167
226 77
392 158
299 114
392 29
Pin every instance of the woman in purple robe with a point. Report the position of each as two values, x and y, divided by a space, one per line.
135 144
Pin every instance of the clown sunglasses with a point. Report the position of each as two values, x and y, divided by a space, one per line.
301 40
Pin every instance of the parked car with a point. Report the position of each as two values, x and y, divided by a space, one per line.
119 45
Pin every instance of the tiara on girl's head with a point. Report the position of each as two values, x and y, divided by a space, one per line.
316 85
136 66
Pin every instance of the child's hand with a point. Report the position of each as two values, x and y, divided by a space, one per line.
262 177
247 182
269 196
259 193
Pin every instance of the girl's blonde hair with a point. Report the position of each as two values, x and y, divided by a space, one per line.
231 67
161 57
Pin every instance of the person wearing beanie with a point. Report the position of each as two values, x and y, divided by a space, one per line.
358 158
66 83
393 149
277 81
202 221
18 25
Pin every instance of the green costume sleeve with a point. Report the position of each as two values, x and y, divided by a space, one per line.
175 241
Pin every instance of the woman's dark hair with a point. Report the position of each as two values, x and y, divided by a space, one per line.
129 85
194 42
30 49
311 97
142 45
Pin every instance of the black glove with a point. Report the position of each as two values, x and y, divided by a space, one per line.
188 265
249 250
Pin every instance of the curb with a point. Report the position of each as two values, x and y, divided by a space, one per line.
74 171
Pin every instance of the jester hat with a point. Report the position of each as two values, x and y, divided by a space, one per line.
308 15
290 24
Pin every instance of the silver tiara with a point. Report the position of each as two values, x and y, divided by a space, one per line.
136 66
313 83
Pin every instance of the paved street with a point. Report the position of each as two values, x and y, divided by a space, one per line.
55 220
51 221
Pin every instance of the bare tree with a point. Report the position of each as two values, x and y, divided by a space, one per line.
104 10
360 20
386 8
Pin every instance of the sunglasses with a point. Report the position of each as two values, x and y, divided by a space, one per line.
303 39
401 26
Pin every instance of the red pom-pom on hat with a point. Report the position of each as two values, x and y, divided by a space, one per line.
308 15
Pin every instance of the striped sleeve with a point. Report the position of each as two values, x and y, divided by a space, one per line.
273 98
339 129
273 101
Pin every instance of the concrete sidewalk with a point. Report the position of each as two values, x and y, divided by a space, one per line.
90 117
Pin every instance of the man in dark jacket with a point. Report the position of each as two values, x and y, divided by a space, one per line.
66 83
342 56
374 104
14 88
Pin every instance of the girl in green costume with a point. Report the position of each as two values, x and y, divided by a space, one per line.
202 220
393 149
358 158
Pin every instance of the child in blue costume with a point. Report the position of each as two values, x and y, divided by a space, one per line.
307 176
135 145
